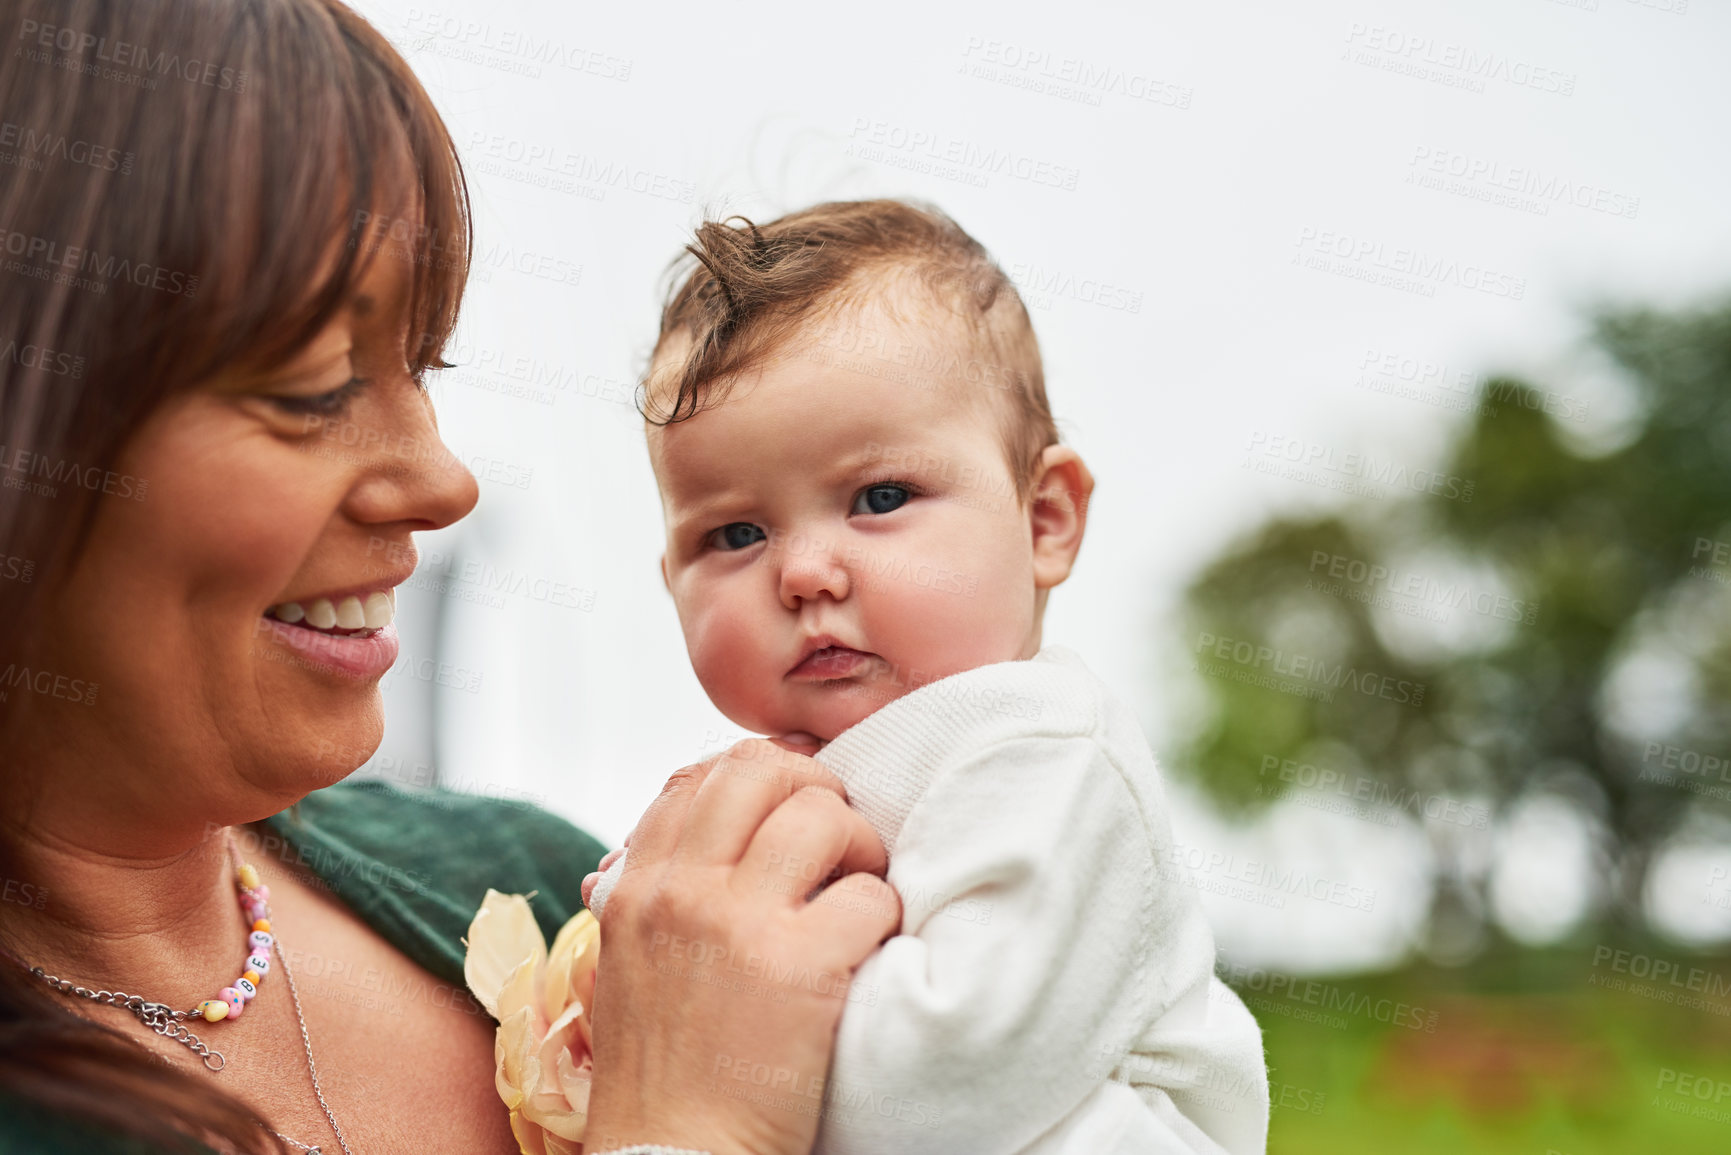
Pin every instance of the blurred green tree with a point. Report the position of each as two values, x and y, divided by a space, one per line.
1565 627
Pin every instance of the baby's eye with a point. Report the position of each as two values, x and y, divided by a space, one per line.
880 499
736 535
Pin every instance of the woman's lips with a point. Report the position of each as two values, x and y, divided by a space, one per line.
831 663
365 654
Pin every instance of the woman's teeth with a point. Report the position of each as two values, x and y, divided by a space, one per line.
377 612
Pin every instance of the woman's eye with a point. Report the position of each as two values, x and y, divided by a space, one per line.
737 535
331 404
880 499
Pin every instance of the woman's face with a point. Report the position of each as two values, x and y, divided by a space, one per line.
299 487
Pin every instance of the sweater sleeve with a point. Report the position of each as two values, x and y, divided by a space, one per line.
1037 943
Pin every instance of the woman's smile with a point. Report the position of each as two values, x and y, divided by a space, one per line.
346 633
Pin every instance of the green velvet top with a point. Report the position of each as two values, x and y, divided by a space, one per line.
415 866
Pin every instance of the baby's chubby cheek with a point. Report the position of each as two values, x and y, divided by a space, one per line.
727 650
960 620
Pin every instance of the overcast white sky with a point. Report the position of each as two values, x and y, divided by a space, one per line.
1212 153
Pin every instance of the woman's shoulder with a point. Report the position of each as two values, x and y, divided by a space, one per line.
415 864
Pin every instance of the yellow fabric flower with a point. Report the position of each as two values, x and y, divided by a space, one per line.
542 1054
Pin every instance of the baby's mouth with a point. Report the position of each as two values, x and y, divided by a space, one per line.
832 663
345 617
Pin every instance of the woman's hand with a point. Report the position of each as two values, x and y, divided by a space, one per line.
720 986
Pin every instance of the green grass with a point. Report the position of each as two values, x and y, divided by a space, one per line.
1523 1056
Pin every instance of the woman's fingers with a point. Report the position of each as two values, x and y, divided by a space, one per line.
742 788
663 824
710 974
800 743
856 913
808 840
593 878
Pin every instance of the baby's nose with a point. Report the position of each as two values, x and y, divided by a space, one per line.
813 575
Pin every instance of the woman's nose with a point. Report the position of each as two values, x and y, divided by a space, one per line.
412 476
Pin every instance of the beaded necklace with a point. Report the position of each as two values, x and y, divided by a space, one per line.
230 1001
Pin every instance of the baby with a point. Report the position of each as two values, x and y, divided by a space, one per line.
867 505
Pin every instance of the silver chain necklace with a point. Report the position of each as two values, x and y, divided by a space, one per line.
170 1024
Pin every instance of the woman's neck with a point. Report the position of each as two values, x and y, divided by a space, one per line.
114 912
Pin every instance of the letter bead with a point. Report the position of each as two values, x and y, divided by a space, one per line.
259 963
245 986
259 941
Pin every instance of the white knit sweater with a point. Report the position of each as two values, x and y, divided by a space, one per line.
1051 989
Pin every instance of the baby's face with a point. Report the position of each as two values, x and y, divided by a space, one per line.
838 536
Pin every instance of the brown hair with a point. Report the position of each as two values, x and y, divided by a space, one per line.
748 289
194 186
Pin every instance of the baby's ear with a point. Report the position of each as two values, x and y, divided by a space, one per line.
665 584
1058 512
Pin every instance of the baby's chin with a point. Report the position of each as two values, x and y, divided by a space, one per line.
840 708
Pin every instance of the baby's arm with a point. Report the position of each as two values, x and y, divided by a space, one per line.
1037 942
